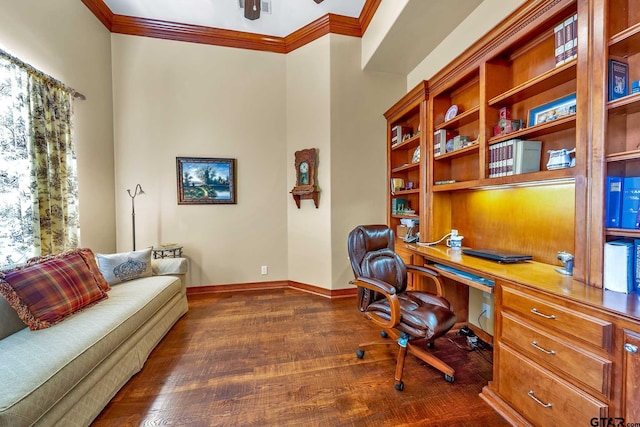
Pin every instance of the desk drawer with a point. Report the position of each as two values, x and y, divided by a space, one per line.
541 397
568 322
585 367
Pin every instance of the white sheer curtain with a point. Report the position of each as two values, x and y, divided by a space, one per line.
16 203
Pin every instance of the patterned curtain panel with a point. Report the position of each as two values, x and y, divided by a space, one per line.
54 184
16 203
38 177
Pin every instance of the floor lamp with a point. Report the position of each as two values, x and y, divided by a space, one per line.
136 192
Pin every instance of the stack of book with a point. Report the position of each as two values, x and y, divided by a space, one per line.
440 138
622 200
514 157
398 205
399 134
566 40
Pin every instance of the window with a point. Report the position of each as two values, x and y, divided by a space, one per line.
38 183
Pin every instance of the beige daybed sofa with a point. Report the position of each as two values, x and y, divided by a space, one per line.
66 374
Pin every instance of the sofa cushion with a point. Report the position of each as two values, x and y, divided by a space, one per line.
121 267
89 258
45 292
74 348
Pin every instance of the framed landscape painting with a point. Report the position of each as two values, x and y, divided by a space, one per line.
206 181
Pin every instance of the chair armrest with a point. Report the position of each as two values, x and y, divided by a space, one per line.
390 294
427 272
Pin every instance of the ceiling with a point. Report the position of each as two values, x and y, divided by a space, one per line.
286 16
419 28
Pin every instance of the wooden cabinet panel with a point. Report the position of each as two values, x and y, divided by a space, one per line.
583 366
630 376
541 397
577 324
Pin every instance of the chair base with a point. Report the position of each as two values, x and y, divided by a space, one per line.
412 347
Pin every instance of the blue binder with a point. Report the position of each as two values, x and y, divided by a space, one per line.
614 201
630 202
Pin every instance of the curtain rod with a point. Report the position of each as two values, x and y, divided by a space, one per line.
32 70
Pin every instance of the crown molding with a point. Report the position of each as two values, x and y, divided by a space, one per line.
101 11
329 23
195 34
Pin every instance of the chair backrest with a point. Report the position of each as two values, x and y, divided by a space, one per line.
371 252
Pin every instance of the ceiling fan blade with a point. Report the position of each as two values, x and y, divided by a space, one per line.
252 9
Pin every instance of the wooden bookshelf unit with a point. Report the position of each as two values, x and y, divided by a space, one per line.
515 67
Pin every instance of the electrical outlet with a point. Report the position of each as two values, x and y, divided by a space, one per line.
264 270
454 233
486 310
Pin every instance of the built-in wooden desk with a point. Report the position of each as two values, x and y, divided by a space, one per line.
564 353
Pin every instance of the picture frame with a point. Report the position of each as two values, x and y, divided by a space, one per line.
553 110
206 181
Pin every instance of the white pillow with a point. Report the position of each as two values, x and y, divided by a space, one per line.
120 267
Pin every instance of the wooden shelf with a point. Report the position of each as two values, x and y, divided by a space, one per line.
405 167
557 125
623 232
405 192
533 178
408 143
458 153
624 156
552 78
463 118
626 43
630 104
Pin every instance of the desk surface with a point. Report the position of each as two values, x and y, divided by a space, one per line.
535 275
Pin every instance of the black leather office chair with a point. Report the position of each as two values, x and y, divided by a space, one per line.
413 318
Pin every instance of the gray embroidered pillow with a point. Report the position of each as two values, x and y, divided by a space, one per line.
120 267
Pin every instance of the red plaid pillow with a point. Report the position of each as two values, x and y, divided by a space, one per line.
89 258
47 292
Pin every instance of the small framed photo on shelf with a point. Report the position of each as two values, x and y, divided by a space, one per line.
553 110
618 79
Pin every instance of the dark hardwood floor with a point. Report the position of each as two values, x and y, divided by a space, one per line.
287 358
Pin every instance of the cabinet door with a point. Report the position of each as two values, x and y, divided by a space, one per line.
630 376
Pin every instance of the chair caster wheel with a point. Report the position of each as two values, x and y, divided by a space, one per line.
448 378
360 353
384 334
399 386
431 345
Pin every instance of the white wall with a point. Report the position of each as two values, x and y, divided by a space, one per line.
358 147
65 40
482 20
308 126
175 99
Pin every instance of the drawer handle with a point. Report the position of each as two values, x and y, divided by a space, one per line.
546 316
633 349
535 344
538 401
